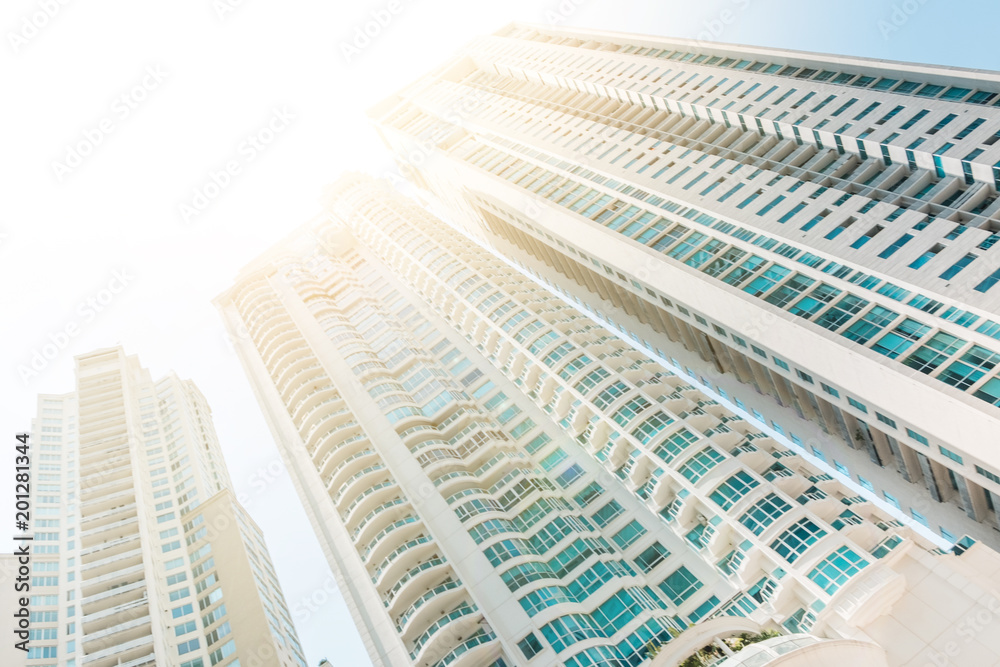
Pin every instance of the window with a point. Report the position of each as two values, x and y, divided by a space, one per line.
900 339
830 390
651 426
932 354
530 646
610 394
651 557
970 367
553 459
836 569
729 492
608 513
916 436
220 654
989 282
951 455
587 496
970 128
680 585
993 477
675 444
888 421
188 646
570 475
763 513
698 465
177 612
955 268
857 405
627 536
794 542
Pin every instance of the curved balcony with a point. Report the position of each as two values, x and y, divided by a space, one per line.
260 316
287 374
321 394
459 622
299 382
402 558
246 292
344 469
474 651
424 444
308 384
399 531
377 518
290 346
279 331
369 498
336 445
445 595
337 435
435 459
319 412
431 570
353 481
327 424
456 479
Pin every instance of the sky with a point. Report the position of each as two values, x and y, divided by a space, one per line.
151 150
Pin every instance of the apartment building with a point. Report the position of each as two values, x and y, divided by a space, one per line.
499 478
141 554
812 236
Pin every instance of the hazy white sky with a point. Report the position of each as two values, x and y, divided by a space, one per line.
117 114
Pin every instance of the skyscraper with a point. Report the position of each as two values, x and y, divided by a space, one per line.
141 554
814 235
499 479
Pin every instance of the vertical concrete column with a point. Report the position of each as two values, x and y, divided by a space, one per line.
928 472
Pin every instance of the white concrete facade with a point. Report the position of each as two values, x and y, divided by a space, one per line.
822 228
485 463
